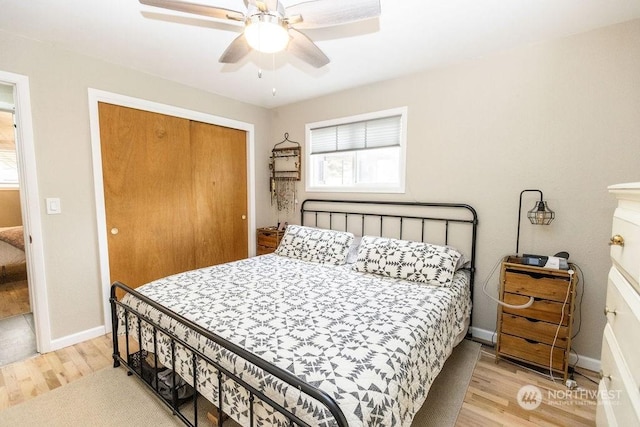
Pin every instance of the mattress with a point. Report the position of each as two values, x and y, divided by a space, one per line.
373 343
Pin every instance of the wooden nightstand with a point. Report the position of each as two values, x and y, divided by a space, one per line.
529 335
267 240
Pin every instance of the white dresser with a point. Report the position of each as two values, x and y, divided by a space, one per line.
619 392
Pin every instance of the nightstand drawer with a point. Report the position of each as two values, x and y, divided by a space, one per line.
535 330
548 311
270 239
531 351
537 285
267 240
263 250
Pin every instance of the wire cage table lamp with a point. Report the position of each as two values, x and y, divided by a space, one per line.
540 214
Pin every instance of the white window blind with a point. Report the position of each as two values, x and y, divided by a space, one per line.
363 153
375 133
8 167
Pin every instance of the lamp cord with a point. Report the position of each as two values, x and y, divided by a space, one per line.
555 338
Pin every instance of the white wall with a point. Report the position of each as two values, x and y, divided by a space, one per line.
59 81
562 116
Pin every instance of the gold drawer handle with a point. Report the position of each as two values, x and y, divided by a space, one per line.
617 240
603 376
608 310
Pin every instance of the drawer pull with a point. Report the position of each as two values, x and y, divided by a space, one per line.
531 341
603 376
617 240
608 310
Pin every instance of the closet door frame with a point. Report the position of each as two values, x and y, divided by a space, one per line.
96 96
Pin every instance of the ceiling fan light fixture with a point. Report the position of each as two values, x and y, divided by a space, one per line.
266 33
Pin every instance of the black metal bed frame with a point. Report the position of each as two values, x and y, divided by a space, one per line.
346 213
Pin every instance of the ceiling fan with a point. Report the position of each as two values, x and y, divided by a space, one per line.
269 26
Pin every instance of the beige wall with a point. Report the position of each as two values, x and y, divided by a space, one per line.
562 116
59 81
10 213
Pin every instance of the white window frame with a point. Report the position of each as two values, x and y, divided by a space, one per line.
9 108
359 188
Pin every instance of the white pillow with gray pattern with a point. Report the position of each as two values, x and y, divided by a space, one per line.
315 244
408 260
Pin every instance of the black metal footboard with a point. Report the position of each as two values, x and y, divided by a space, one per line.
173 401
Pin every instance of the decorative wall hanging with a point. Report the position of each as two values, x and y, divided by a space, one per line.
285 166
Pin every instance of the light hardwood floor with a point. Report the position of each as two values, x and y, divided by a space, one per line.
491 398
14 299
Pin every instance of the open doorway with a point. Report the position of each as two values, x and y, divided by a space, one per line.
17 330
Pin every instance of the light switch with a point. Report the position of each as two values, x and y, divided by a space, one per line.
53 205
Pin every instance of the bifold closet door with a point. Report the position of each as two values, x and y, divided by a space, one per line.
167 204
220 193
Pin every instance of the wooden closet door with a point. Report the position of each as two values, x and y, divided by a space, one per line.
147 173
219 159
175 193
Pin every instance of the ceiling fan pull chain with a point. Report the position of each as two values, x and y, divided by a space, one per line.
273 65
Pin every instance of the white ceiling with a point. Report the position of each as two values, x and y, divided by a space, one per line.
409 36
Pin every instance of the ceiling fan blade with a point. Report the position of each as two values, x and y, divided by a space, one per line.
326 13
301 46
238 49
197 9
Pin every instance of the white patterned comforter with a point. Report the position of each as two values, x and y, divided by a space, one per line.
374 344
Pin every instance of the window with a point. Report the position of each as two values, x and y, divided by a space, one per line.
364 153
8 158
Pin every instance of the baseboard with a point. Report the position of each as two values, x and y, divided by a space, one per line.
77 338
489 337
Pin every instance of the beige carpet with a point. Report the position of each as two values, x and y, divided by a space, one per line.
111 398
448 390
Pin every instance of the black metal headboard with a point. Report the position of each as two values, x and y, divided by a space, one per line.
452 224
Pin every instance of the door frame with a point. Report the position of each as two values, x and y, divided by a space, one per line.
96 96
30 207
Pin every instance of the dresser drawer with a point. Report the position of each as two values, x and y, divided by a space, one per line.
536 284
268 238
624 301
548 311
531 351
605 412
263 250
535 330
626 223
616 377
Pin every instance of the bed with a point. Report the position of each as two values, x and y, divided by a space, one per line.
345 325
12 253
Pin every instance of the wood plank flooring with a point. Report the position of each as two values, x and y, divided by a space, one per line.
491 398
14 299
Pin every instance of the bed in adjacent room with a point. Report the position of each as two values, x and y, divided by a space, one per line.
12 255
339 326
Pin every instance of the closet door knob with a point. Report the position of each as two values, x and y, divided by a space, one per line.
244 217
114 231
617 240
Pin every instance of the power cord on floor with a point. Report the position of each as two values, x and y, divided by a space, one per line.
585 376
